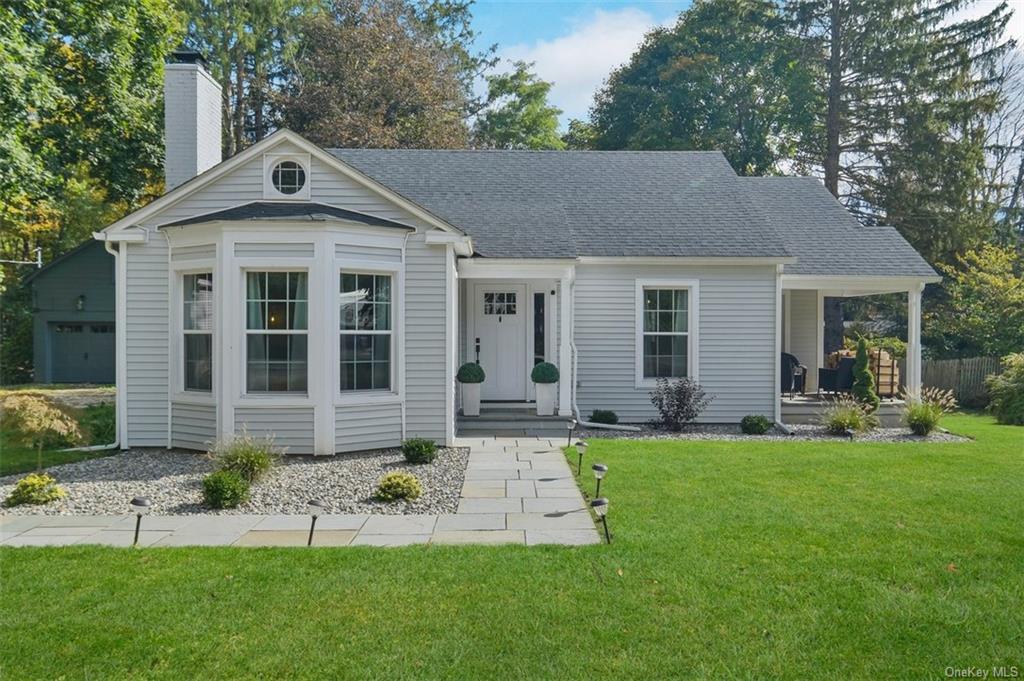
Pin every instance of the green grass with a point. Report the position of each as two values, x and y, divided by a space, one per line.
15 459
751 560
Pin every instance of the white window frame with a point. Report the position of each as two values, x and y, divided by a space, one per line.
177 328
395 271
182 332
267 395
693 326
270 161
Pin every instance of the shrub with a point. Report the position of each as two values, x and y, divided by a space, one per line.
33 422
1006 391
846 414
863 380
419 450
921 417
896 347
679 401
249 456
604 416
35 488
398 485
755 424
470 372
100 422
545 372
225 489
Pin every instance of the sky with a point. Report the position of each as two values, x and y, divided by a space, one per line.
576 44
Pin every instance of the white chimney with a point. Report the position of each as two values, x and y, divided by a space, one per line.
192 118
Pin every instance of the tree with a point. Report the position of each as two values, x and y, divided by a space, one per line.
863 380
983 311
580 135
375 75
519 115
724 77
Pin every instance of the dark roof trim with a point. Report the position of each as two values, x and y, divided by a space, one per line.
271 210
28 278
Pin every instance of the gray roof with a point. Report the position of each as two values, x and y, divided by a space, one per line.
559 204
825 237
271 210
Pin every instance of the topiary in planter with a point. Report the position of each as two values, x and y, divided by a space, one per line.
419 450
755 424
398 485
470 372
863 380
606 416
545 372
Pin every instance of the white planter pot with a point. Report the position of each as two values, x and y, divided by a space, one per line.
471 399
546 398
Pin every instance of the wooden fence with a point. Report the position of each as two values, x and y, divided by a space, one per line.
965 377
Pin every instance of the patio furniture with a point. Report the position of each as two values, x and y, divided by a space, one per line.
838 380
793 376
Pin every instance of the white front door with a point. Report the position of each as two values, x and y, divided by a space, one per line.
500 314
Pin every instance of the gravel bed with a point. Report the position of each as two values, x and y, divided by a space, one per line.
733 432
172 481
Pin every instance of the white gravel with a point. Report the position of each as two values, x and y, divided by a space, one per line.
733 432
172 481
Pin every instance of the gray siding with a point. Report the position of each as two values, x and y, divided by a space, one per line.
199 252
736 331
146 341
291 427
425 391
358 428
274 250
390 255
194 426
803 332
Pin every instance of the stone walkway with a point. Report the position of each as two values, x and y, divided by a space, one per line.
516 491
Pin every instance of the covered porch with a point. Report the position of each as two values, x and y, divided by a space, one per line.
802 330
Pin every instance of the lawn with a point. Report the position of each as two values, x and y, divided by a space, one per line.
752 560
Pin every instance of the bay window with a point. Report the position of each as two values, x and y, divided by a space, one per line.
366 332
197 331
277 306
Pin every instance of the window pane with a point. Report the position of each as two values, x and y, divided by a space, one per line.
277 377
297 286
198 302
256 377
381 375
277 285
255 313
256 285
277 315
297 315
539 347
199 361
650 299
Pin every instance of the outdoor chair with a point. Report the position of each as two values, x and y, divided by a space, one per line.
838 380
793 376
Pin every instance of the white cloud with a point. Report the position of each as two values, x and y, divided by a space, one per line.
579 61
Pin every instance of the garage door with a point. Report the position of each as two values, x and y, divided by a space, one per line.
82 352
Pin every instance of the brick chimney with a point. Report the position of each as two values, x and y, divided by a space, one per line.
192 118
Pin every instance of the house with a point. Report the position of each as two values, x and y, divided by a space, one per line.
73 317
328 296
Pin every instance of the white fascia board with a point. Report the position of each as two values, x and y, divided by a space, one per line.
139 236
461 244
188 188
684 260
493 268
851 285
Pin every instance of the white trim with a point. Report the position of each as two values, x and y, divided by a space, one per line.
819 336
462 244
487 268
777 403
451 330
566 388
914 340
120 254
692 334
113 232
843 286
787 326
176 382
270 192
141 236
684 260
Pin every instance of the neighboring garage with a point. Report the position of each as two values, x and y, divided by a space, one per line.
73 317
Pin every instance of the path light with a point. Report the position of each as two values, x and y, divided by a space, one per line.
140 506
581 449
571 425
315 508
599 470
600 507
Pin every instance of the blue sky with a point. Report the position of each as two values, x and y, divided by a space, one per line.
576 44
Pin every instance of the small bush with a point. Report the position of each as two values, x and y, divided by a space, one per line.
32 422
1006 391
863 379
470 372
604 416
419 450
225 489
398 485
100 422
545 372
35 488
249 456
679 401
922 417
755 424
847 414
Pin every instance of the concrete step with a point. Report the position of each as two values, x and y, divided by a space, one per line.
506 416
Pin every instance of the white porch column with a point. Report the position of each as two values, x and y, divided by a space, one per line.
565 371
914 339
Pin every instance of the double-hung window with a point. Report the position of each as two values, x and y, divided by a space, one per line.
366 331
277 306
664 332
197 331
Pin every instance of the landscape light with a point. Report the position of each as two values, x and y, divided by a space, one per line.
599 471
581 449
571 425
600 507
315 508
140 506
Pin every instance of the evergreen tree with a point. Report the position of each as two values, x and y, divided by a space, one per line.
863 379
